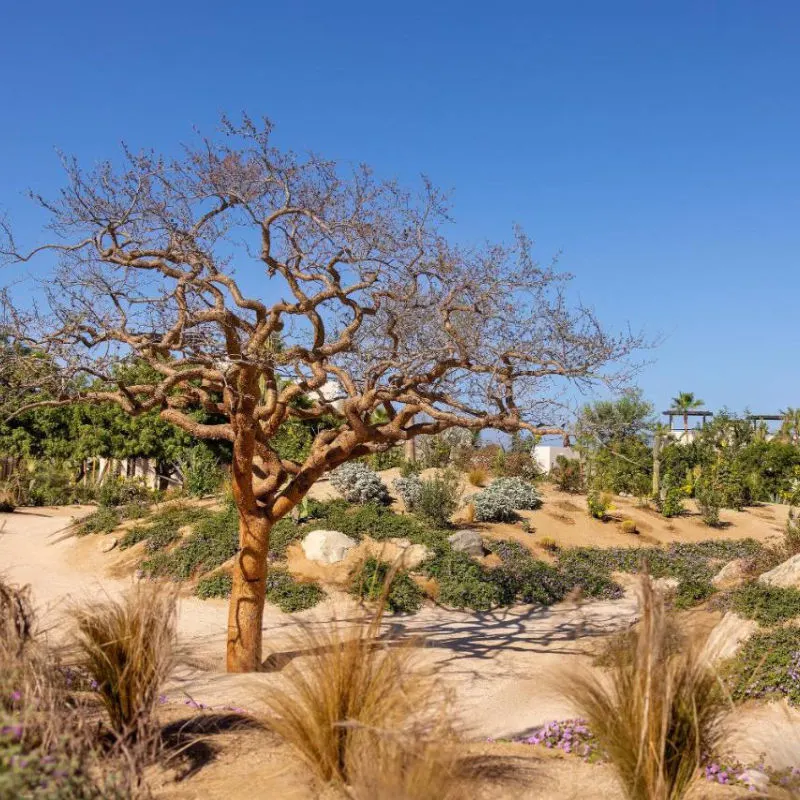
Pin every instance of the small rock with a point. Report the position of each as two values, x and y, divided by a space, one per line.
467 541
755 779
107 545
786 574
728 636
666 585
414 555
401 543
732 574
327 547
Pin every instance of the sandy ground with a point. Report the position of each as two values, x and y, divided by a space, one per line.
504 667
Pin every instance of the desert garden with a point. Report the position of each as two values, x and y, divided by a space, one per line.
274 516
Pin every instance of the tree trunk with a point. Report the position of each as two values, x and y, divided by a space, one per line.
685 427
656 467
246 611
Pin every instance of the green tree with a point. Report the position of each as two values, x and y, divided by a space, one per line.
790 426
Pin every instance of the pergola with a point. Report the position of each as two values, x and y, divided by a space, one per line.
676 412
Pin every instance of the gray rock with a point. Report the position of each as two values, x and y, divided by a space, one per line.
728 636
107 545
327 547
732 574
786 574
467 541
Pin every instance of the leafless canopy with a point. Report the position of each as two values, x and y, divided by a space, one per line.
248 277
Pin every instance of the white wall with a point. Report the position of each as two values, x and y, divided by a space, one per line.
545 455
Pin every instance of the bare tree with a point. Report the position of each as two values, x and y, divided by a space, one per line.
196 265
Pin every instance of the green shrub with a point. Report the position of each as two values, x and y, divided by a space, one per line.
672 503
434 499
767 666
202 473
463 583
693 564
376 521
791 534
218 585
629 526
116 491
368 582
104 520
214 540
291 595
566 474
517 465
598 505
472 590
692 592
766 604
163 527
393 457
283 533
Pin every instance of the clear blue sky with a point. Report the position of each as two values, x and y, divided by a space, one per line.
655 144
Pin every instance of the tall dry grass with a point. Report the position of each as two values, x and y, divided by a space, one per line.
362 715
657 710
48 732
128 649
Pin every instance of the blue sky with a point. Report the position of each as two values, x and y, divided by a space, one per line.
655 145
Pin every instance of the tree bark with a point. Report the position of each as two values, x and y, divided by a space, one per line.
246 610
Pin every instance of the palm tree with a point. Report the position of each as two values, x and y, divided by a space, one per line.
790 427
684 403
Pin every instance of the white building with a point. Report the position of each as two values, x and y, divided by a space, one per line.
545 455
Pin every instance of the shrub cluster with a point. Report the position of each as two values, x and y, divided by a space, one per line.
214 540
768 665
218 585
116 491
502 498
289 594
598 505
369 582
767 605
567 475
357 483
434 499
693 564
202 471
163 528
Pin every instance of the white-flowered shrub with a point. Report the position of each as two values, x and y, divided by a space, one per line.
409 489
499 501
357 483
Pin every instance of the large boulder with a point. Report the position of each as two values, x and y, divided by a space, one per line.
467 541
730 633
732 574
327 547
786 574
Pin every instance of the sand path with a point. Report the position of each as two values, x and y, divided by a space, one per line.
503 666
